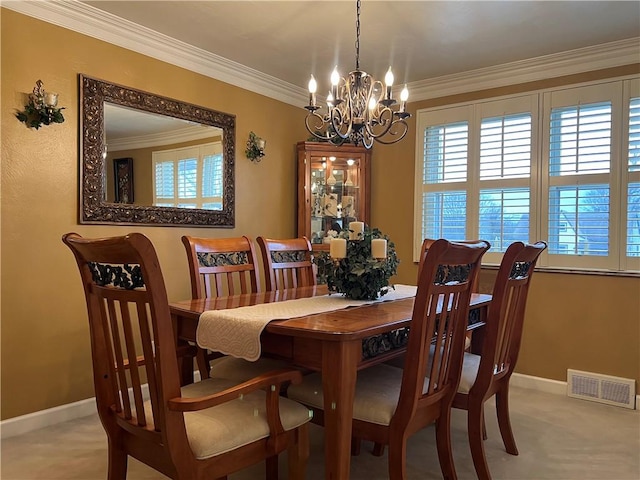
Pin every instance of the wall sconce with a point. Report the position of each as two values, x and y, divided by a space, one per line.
41 109
255 147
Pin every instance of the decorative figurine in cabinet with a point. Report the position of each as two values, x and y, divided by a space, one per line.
333 189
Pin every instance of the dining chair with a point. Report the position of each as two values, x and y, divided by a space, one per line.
390 403
287 263
207 429
378 449
221 267
489 373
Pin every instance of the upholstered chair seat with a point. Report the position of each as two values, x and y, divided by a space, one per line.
469 372
234 424
377 393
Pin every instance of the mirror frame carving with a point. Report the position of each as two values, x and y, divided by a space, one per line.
93 209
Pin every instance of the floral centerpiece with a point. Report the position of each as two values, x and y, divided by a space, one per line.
356 273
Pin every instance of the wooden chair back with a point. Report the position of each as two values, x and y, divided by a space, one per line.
220 267
133 344
446 276
488 374
505 318
287 263
427 242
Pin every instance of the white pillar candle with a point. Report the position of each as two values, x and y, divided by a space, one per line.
50 99
379 248
357 230
338 248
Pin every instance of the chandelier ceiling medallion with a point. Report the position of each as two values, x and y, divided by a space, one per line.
359 108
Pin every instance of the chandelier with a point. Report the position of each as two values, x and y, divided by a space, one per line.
359 108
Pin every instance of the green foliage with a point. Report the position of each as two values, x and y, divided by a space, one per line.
358 276
36 116
254 151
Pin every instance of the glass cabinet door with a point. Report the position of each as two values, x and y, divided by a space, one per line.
333 190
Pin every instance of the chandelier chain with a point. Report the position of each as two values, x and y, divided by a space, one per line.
358 35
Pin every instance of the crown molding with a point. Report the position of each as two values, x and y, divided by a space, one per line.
87 20
90 21
607 55
158 139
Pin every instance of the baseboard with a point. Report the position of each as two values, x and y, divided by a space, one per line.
44 418
51 416
540 384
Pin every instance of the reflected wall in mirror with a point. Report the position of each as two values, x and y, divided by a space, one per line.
183 159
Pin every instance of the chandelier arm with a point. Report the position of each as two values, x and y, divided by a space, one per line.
384 118
319 125
341 115
396 138
366 139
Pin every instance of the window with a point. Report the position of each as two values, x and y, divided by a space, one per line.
489 198
189 177
561 165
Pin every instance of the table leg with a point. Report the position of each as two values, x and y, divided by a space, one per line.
339 370
185 360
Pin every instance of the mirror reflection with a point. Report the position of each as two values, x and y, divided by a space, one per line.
147 159
162 161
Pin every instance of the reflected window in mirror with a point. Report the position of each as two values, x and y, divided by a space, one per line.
189 177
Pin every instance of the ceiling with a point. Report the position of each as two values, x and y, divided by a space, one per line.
290 40
438 48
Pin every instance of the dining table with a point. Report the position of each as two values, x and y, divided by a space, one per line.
336 343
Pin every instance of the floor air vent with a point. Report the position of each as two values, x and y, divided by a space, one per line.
601 388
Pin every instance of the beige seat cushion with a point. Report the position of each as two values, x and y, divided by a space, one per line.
240 370
223 428
376 398
469 372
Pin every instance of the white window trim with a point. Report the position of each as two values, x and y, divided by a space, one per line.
618 178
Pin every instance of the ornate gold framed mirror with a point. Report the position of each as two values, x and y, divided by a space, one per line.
183 156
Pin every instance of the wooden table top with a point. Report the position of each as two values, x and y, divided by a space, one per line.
345 324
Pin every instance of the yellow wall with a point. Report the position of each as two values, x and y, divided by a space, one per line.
45 349
583 322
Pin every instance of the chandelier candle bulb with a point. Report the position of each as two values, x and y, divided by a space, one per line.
357 230
379 248
335 80
388 80
404 96
313 86
338 248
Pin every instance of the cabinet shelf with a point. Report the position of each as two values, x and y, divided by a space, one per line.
333 189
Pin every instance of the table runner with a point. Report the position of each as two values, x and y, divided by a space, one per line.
236 331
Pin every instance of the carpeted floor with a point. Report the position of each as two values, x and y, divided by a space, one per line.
558 437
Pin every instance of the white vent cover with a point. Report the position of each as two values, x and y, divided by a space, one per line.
601 388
